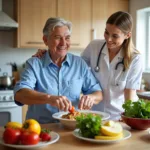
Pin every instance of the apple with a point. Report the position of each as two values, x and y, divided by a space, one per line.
111 129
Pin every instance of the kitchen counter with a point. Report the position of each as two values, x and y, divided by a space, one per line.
144 95
139 140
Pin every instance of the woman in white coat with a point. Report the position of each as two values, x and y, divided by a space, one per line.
115 63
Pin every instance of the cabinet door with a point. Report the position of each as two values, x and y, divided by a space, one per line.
102 9
32 15
79 13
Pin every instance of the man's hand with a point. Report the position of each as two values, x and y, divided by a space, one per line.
61 102
39 53
86 102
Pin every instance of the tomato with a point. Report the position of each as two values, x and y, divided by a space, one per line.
45 135
29 138
72 109
11 135
31 125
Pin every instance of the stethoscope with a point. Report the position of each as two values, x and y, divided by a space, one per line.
97 68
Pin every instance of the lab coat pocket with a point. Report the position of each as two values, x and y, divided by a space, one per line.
75 86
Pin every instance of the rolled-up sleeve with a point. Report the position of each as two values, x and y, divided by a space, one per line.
27 80
135 73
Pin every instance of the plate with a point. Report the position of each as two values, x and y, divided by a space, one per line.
71 124
54 138
126 135
58 115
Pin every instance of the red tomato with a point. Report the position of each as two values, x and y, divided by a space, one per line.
29 138
72 109
11 136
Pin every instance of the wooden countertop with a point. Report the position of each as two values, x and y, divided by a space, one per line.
140 140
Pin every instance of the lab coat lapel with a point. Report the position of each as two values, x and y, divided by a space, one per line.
106 56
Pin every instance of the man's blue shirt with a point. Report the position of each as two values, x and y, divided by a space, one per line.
71 79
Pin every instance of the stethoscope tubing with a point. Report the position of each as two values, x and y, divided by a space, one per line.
97 68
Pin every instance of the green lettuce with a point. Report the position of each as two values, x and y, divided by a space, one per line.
138 109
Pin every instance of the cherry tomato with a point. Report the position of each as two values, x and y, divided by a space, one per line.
45 135
72 109
29 138
11 135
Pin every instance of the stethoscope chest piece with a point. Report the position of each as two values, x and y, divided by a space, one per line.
96 69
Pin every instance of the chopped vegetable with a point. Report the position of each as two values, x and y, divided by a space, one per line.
138 109
72 109
89 125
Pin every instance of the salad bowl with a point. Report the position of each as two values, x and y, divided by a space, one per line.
137 114
136 123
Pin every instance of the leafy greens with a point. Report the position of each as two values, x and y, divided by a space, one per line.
89 125
138 109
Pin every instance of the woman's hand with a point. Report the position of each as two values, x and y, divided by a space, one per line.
86 102
39 53
61 102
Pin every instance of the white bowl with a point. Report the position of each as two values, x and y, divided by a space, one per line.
71 124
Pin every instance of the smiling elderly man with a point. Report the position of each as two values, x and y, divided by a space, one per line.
54 82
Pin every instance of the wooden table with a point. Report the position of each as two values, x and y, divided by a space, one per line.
140 140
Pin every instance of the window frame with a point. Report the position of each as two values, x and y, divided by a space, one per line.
147 50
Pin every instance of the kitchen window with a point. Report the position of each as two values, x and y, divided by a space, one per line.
143 36
148 41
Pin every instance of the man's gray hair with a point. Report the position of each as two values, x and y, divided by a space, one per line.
51 23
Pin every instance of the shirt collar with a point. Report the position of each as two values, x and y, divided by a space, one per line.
68 59
105 50
119 55
48 60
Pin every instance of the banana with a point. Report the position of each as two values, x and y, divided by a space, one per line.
13 125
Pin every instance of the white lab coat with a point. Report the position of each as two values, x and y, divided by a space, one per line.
113 82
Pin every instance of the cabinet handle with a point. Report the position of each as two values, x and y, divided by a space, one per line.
35 42
75 44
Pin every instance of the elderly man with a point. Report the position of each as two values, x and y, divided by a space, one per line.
55 81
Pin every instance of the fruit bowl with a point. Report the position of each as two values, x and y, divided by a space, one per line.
136 123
